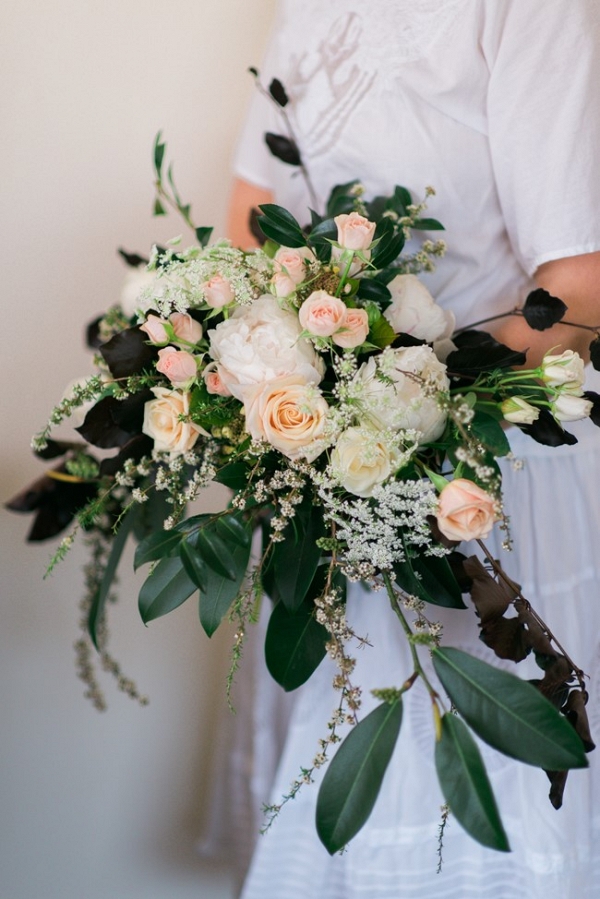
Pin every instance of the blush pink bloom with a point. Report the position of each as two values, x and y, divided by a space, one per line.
177 365
185 327
354 331
290 269
321 314
154 327
465 511
355 232
213 382
218 292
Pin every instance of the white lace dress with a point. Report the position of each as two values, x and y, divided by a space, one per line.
496 104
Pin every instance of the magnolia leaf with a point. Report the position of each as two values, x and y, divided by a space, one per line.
234 475
489 355
295 644
491 433
216 553
220 592
295 559
431 579
277 91
370 289
336 202
354 775
195 566
541 310
159 545
203 235
283 148
428 225
166 588
508 713
465 785
97 607
133 260
231 528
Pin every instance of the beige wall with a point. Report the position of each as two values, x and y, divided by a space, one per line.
100 806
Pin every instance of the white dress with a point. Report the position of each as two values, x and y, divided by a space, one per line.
495 104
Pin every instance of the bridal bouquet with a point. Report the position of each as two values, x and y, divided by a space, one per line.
318 379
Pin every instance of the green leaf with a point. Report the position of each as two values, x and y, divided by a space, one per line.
491 433
508 713
232 529
295 560
203 235
157 546
96 612
294 645
370 289
234 475
466 786
428 225
158 208
215 553
151 515
381 333
158 154
430 578
280 225
220 592
194 564
354 775
283 236
166 588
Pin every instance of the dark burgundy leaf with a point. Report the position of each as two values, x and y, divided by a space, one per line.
253 71
139 446
456 562
538 639
595 400
507 637
283 148
548 431
575 711
595 353
557 779
127 353
32 497
134 260
541 310
56 448
277 91
92 334
471 360
56 503
255 229
401 340
490 599
113 422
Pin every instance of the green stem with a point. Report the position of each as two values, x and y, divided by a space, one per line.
409 634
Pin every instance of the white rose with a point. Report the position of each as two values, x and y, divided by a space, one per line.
566 368
390 390
136 280
261 342
568 407
162 421
518 411
414 311
289 414
361 460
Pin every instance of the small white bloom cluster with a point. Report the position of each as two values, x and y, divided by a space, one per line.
373 532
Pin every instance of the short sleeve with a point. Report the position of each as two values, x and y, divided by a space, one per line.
544 124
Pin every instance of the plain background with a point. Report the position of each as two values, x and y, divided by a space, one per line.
101 806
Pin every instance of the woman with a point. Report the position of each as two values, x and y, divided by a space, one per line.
494 103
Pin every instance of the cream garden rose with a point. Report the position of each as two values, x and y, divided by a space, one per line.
289 414
262 342
414 311
361 460
135 282
465 511
390 390
164 421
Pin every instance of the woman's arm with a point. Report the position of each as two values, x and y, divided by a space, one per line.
244 197
576 281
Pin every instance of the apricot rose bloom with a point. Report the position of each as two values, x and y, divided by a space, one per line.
465 511
289 414
163 421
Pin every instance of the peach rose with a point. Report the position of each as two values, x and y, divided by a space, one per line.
186 328
177 365
154 327
289 414
218 292
354 330
465 511
213 382
321 314
165 421
355 232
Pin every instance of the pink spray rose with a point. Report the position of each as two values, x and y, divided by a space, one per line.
465 511
218 292
185 327
154 327
321 314
177 365
213 382
355 232
354 330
